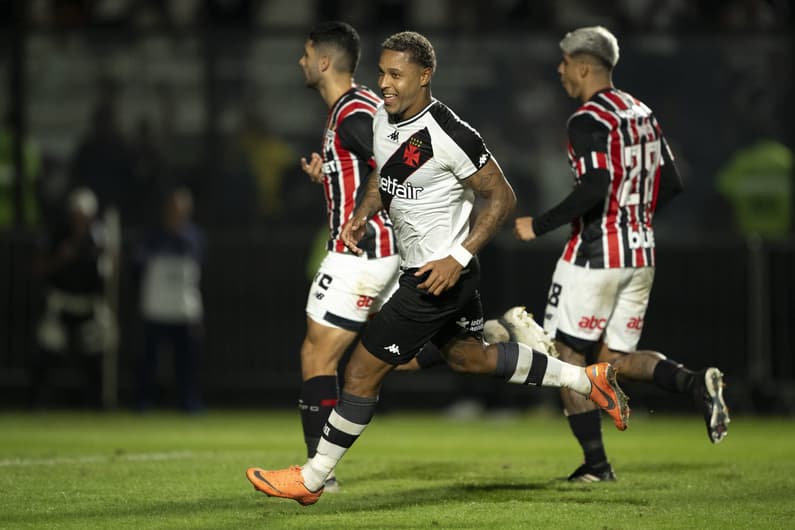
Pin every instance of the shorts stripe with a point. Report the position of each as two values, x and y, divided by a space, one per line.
342 322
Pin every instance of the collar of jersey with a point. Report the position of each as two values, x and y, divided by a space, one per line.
417 116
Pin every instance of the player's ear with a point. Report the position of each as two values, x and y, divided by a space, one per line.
425 77
324 63
583 68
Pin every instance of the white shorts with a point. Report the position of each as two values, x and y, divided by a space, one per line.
347 289
592 304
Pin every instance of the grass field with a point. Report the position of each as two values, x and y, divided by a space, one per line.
116 470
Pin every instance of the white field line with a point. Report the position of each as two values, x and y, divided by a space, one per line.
94 459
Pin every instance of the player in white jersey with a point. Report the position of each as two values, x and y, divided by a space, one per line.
431 167
600 290
347 288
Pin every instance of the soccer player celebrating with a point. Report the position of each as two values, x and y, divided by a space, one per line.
431 165
624 171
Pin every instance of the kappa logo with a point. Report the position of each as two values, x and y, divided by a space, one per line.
394 136
483 159
462 322
393 348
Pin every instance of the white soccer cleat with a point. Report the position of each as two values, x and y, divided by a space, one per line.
708 394
494 332
518 325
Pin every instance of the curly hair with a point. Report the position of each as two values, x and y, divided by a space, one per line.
418 47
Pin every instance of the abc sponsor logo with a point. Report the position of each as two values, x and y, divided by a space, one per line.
364 302
593 322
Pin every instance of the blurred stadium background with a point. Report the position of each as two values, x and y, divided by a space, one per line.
208 93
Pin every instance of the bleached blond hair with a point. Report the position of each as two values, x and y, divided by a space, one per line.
593 40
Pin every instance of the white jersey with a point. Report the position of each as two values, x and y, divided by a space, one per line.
422 163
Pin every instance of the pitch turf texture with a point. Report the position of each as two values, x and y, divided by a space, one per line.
117 470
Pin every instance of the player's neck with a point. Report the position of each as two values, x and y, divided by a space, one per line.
413 110
592 88
335 88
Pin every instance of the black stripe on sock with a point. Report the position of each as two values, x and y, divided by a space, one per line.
537 369
507 358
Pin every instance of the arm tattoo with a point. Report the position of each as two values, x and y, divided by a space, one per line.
371 199
499 200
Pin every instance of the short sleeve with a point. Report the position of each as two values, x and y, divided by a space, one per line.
356 134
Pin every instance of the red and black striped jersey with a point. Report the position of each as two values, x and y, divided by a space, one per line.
347 162
619 155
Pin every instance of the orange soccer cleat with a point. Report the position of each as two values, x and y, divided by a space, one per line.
606 393
287 483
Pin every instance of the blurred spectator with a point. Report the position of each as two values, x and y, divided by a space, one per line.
169 263
103 162
231 186
757 182
269 158
148 173
77 327
31 162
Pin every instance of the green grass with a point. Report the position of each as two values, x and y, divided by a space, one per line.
84 470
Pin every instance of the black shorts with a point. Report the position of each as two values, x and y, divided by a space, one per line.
412 317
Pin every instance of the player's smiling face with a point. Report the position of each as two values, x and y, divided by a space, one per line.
404 84
309 64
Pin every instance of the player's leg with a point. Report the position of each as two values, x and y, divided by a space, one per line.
705 386
321 351
391 338
363 376
583 415
461 343
346 290
352 414
578 307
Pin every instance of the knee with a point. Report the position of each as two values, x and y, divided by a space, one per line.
457 362
469 358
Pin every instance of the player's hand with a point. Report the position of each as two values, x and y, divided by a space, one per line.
523 229
352 232
443 275
313 168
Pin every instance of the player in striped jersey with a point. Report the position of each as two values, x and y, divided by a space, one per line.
624 171
347 288
432 165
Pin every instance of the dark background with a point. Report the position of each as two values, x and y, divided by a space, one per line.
209 94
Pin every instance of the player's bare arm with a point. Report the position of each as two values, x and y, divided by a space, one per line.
353 230
499 201
313 168
490 184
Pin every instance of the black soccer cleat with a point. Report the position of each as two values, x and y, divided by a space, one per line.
708 393
586 473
